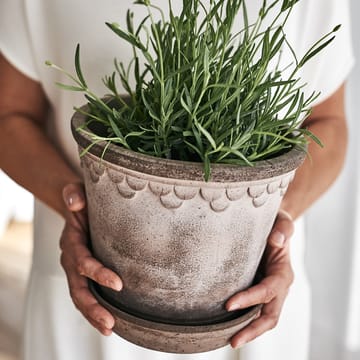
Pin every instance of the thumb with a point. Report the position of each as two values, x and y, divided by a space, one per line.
282 230
74 197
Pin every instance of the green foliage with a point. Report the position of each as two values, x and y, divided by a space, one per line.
205 94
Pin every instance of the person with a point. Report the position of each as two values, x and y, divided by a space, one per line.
37 151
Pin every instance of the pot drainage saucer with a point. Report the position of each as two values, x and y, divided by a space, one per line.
184 339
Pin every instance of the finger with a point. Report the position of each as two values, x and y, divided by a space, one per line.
72 236
77 257
268 319
282 229
80 259
262 293
92 310
87 304
91 268
74 197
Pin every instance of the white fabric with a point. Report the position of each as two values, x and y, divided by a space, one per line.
333 235
15 203
32 31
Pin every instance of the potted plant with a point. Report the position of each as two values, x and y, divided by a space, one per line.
185 173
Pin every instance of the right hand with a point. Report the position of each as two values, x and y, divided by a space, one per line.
272 290
80 265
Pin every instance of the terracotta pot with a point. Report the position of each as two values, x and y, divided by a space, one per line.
182 246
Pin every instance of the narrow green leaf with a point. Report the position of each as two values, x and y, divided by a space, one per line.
313 137
135 134
115 128
78 66
311 54
69 87
184 104
129 21
287 4
130 38
142 2
206 134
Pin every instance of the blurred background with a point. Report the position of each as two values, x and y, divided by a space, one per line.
16 212
333 251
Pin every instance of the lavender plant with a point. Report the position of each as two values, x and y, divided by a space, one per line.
204 94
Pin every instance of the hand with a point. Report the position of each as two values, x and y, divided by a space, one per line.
80 265
273 288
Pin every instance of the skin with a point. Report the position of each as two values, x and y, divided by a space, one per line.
22 122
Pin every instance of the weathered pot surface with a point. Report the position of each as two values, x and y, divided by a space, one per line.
182 246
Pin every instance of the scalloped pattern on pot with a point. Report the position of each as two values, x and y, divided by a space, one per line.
172 193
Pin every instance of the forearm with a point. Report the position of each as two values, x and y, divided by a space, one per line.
323 165
26 154
28 157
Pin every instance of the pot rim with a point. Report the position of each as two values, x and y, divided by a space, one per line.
184 170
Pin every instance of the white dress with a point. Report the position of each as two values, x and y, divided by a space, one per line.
32 31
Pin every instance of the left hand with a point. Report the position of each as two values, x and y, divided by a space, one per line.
273 288
80 265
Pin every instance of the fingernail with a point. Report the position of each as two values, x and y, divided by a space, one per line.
278 238
107 332
233 307
115 285
72 198
240 343
104 323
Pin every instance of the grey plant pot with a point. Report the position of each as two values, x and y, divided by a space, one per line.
182 246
